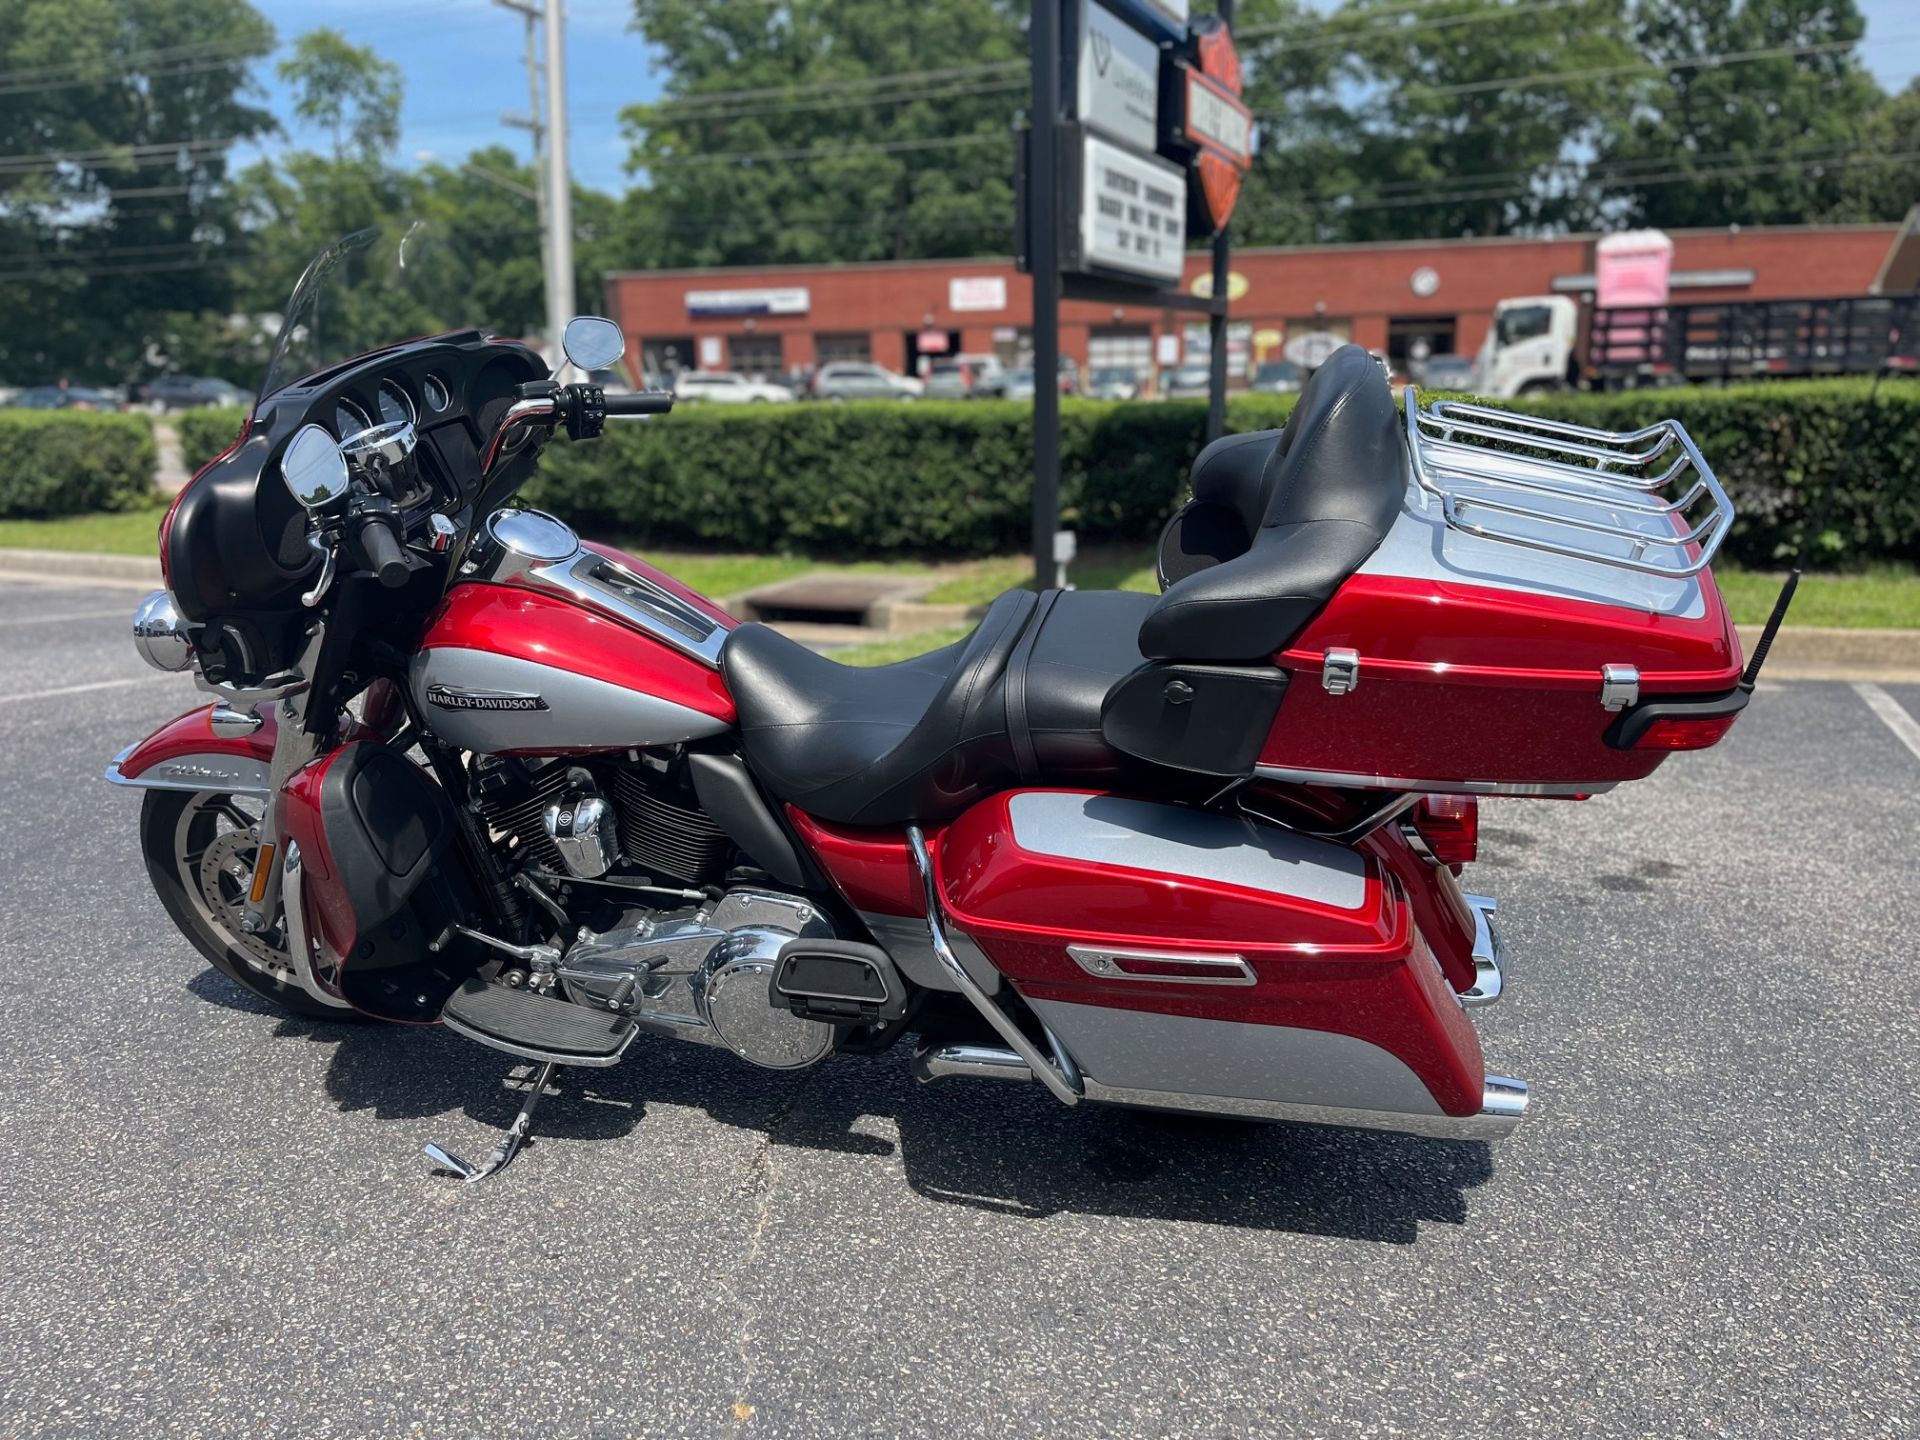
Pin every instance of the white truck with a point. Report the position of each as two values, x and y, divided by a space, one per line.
1550 342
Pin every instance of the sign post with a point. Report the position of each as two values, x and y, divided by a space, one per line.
1136 128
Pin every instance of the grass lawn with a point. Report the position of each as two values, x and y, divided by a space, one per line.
133 532
1887 598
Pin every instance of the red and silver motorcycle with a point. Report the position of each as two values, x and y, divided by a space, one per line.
1194 851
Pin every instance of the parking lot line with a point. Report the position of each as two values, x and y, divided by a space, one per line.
1905 728
81 689
13 620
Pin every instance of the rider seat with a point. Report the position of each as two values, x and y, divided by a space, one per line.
1096 687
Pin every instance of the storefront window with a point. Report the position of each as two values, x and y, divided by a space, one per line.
832 349
756 355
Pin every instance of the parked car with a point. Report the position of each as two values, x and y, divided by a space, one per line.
1278 377
966 377
862 380
726 387
188 392
1186 382
64 397
1020 383
1115 383
1447 372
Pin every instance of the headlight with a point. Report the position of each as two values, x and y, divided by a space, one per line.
158 634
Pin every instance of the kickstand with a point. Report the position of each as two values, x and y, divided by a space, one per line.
510 1142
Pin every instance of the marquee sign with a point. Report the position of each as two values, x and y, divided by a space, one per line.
1131 209
1118 78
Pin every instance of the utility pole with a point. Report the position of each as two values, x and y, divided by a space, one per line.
559 185
1217 321
553 177
1043 261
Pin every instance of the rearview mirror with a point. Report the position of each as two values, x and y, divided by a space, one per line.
313 468
593 343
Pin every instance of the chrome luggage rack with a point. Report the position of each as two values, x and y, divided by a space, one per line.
1589 494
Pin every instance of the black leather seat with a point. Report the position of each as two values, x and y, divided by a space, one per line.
1280 518
1015 702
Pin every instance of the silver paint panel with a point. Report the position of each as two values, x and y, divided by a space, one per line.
1503 1107
1109 830
583 713
1180 1055
1438 787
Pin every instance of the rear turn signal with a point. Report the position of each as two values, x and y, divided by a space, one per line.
1677 732
1449 826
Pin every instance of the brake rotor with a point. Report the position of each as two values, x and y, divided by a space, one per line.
226 873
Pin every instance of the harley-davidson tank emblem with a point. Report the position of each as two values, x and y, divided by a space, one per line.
458 697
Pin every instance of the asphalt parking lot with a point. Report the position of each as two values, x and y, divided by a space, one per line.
217 1222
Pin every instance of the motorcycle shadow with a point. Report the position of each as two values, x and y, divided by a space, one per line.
1006 1149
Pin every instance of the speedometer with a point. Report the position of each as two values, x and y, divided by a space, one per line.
394 404
349 419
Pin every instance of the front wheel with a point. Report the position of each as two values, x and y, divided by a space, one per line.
199 848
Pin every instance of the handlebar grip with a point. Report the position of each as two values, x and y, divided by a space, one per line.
385 558
640 402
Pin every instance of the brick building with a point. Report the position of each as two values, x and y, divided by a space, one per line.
1387 297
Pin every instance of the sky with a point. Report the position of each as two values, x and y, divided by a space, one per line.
464 64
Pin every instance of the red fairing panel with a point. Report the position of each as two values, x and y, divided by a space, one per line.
1475 684
872 868
191 734
330 914
545 630
1361 971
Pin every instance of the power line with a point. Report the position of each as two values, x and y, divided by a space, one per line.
817 154
866 82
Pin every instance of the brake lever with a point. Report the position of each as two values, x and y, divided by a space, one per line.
329 558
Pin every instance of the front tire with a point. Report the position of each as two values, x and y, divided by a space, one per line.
199 851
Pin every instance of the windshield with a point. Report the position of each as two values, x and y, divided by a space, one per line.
367 290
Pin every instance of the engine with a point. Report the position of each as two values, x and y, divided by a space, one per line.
658 827
706 974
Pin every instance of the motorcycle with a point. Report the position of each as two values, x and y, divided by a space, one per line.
1196 851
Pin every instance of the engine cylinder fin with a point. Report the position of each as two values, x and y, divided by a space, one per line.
664 837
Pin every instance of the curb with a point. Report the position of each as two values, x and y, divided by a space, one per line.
80 566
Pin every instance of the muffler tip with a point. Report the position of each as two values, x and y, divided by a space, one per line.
1504 1104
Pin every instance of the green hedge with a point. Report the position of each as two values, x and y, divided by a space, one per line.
69 462
954 478
206 433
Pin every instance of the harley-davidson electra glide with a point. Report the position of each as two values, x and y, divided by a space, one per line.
1194 851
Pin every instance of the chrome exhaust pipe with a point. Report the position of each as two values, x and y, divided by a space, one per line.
985 1062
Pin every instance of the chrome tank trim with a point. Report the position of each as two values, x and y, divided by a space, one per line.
525 547
583 713
299 945
1141 835
1064 1088
1187 1055
1362 781
231 774
1489 955
1503 1107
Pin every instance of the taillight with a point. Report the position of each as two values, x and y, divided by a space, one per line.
1450 827
1685 732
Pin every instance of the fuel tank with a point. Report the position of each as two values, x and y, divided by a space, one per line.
554 648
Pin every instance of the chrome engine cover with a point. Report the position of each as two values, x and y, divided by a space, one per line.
705 975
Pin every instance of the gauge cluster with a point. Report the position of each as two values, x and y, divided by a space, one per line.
450 388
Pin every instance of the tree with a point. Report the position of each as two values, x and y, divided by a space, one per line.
1767 134
115 214
346 89
826 130
1458 117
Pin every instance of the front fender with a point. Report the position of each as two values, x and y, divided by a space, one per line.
186 754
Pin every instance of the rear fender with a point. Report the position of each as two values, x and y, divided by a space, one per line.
186 754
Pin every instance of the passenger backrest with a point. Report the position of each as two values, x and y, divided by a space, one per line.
1280 518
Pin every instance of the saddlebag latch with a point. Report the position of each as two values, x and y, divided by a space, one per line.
1619 687
1339 671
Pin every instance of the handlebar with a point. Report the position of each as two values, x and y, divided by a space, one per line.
385 558
640 402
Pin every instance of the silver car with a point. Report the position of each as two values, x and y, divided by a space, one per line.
861 380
